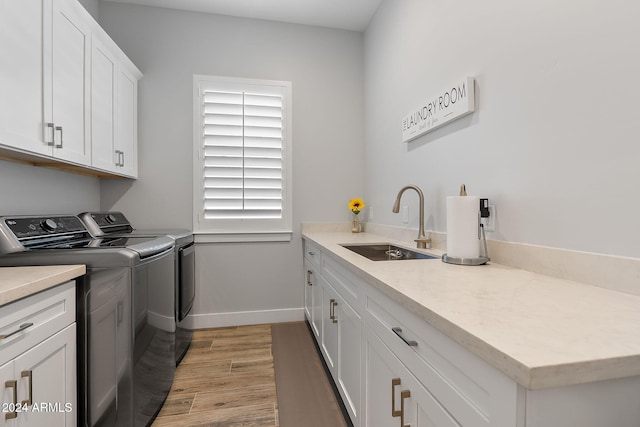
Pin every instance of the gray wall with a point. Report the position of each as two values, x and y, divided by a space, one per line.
29 190
325 67
554 140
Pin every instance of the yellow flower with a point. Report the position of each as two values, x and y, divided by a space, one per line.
356 205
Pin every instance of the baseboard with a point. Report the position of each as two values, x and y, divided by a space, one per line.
239 318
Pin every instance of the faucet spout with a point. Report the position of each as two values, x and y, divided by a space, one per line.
422 241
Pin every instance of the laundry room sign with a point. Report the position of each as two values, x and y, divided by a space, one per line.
456 101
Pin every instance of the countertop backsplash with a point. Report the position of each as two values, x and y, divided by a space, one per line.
611 272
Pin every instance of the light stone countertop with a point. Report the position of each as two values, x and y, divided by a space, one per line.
20 282
538 330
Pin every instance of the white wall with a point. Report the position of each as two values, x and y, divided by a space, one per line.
554 140
325 67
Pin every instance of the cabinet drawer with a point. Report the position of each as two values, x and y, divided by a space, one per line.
343 281
466 386
35 319
313 254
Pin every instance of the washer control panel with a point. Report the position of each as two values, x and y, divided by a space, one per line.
33 227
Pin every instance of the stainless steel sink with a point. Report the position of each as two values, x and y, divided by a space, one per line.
386 252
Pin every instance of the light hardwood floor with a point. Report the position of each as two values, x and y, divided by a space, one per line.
225 379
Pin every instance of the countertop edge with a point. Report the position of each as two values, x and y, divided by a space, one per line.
21 282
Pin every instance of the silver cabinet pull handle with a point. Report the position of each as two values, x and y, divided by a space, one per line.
398 332
404 394
14 385
311 253
394 382
59 129
20 329
332 306
29 375
309 274
120 158
52 133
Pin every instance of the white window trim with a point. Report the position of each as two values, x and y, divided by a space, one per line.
219 231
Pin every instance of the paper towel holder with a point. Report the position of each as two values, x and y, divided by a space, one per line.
482 259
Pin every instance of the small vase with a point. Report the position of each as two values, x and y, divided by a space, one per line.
356 227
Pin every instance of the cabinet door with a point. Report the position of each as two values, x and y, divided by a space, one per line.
127 123
308 291
329 327
46 377
6 378
393 395
349 360
21 75
317 312
103 105
70 65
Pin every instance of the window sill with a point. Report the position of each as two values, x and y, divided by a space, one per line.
240 237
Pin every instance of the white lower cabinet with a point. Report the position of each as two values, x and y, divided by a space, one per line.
38 356
349 366
313 300
341 335
46 381
337 329
393 396
392 368
329 341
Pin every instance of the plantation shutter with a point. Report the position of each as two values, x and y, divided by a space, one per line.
242 134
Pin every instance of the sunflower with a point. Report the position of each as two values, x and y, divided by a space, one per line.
356 205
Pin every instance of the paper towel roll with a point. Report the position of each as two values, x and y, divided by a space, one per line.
462 227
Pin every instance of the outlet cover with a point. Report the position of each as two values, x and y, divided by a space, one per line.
490 222
405 214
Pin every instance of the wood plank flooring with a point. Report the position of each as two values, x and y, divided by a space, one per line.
225 379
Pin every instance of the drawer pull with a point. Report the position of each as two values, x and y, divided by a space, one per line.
398 332
14 385
29 375
311 253
20 329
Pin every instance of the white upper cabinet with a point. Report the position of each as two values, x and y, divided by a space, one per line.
21 75
114 110
103 105
126 144
69 94
66 108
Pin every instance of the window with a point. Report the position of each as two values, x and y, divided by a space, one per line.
242 138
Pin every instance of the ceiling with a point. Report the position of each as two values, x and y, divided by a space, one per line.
343 14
